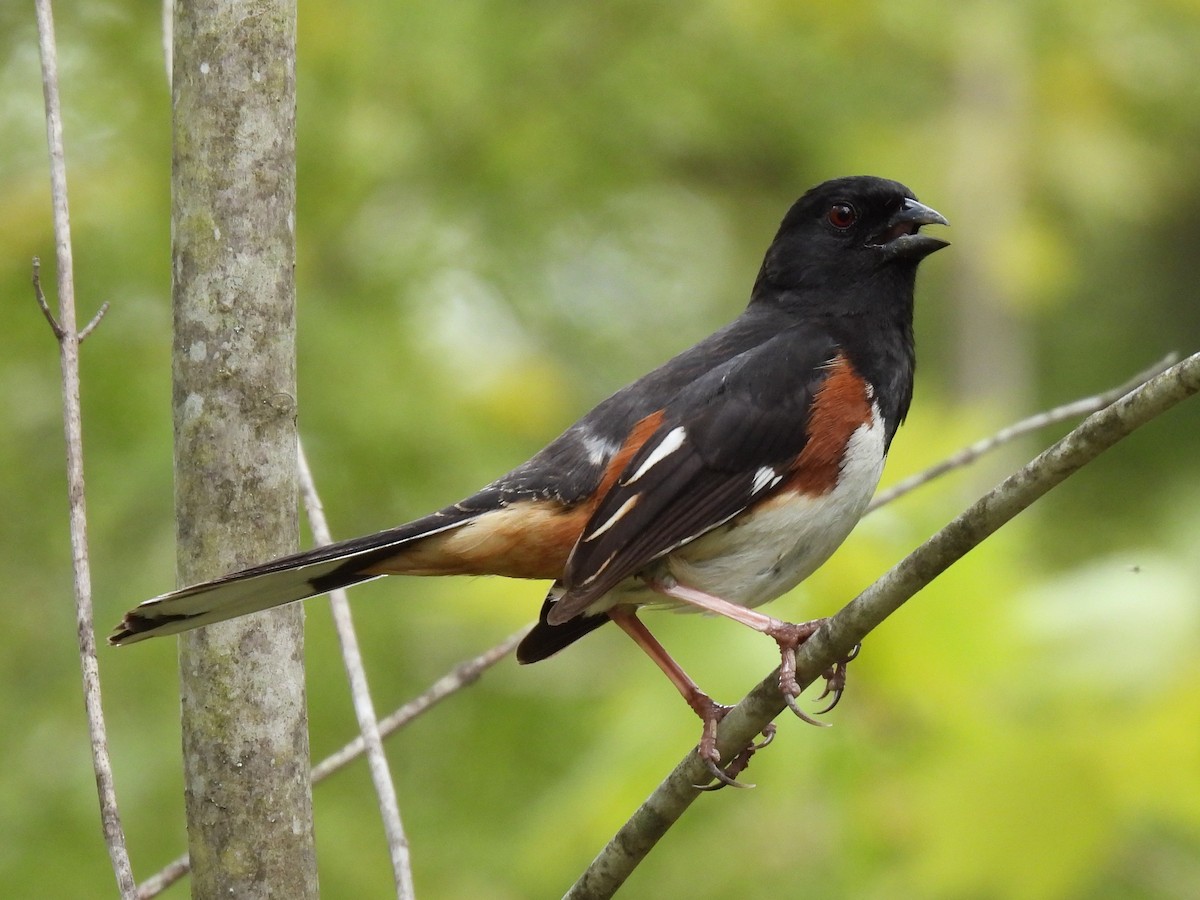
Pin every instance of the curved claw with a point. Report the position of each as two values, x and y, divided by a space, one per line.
835 684
801 714
727 776
768 734
837 696
723 779
835 680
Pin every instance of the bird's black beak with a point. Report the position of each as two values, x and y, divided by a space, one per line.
902 238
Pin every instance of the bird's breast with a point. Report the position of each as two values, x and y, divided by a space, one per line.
772 547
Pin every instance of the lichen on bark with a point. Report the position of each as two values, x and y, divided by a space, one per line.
245 740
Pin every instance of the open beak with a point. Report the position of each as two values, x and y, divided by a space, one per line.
902 237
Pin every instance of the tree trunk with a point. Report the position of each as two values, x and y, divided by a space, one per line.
245 737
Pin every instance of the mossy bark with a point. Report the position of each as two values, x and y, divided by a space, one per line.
245 735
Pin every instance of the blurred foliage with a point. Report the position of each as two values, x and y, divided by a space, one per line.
506 211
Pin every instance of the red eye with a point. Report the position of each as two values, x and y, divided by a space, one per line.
841 216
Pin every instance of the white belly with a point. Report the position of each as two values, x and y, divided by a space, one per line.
762 554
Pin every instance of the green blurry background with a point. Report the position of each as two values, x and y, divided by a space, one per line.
506 211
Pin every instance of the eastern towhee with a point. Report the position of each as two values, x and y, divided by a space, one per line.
720 480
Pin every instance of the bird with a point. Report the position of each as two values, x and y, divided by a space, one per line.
718 481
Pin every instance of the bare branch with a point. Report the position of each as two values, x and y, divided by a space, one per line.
858 618
68 343
91 326
364 707
168 37
464 674
163 879
969 454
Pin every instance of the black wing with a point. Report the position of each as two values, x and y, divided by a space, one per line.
727 439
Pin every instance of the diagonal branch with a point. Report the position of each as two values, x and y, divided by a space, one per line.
843 631
91 326
364 707
462 676
68 344
967 455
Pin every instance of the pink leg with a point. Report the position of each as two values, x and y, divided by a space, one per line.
710 712
787 635
627 619
756 620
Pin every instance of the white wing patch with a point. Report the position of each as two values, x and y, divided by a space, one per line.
599 449
668 445
764 478
615 517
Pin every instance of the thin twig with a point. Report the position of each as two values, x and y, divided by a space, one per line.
461 676
969 454
364 707
40 296
168 37
68 343
164 878
852 623
91 326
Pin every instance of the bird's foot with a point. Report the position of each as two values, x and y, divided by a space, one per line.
835 679
789 637
728 775
711 713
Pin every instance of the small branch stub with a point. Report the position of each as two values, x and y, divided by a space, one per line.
59 333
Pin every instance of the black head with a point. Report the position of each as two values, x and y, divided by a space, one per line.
845 235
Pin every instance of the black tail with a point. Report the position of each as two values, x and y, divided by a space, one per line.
545 639
279 581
